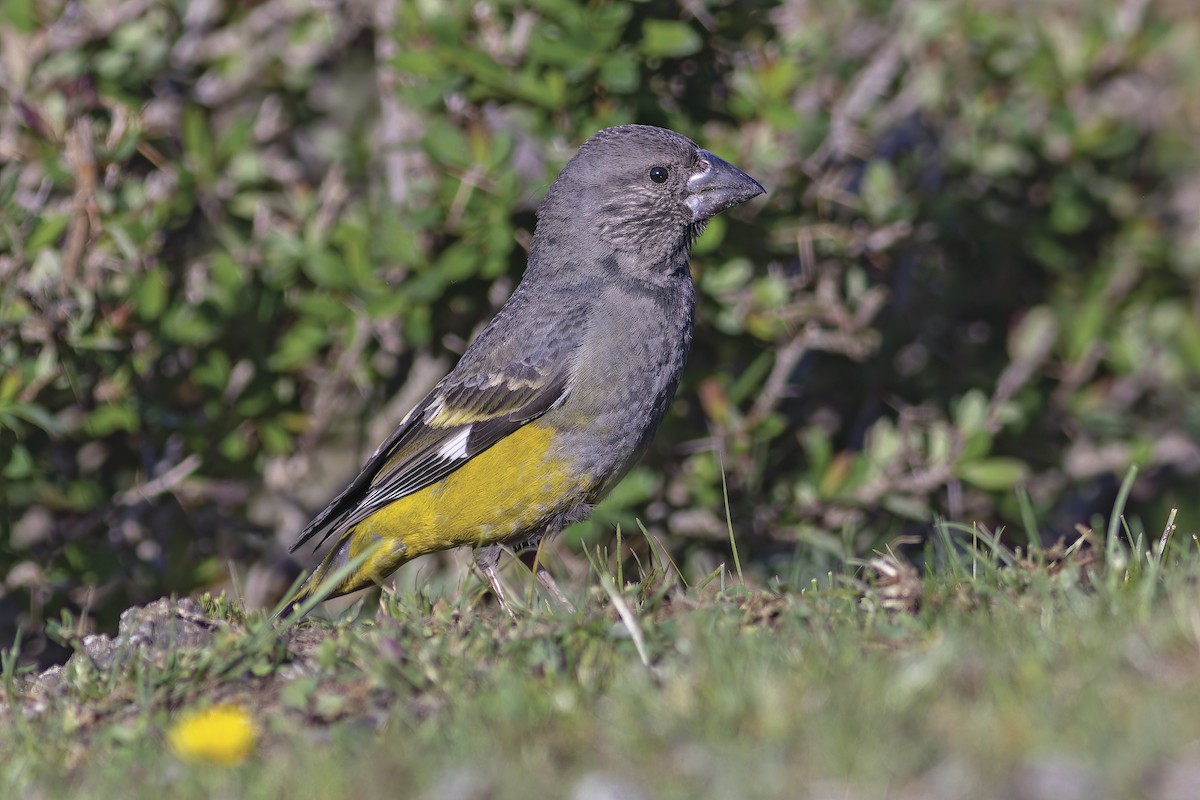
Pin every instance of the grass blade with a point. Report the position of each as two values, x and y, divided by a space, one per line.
1114 520
737 562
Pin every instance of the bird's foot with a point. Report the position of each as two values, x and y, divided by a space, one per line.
486 558
546 579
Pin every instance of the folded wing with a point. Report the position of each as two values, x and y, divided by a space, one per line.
474 407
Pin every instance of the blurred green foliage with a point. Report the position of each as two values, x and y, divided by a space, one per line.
229 233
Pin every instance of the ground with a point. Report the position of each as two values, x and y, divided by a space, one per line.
1072 672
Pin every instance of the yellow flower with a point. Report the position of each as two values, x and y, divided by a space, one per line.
220 735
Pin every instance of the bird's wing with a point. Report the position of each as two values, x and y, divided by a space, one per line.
493 391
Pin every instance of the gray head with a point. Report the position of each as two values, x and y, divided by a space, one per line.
644 192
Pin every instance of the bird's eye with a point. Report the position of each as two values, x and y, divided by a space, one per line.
658 174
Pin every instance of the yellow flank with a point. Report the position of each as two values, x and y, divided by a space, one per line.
507 489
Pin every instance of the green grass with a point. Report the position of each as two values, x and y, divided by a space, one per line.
996 674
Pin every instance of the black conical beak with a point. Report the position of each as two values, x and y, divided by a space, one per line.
718 187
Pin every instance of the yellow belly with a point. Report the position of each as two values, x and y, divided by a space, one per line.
509 489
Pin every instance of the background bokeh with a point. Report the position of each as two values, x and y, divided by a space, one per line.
238 240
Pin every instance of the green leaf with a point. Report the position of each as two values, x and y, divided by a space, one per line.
108 419
417 62
10 384
185 325
881 192
970 412
883 444
620 73
324 307
20 464
994 474
34 415
712 237
235 447
197 143
326 270
446 144
728 277
273 437
976 444
1032 338
20 14
214 371
48 231
150 295
228 284
296 693
298 346
668 39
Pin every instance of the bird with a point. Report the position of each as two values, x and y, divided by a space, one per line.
561 393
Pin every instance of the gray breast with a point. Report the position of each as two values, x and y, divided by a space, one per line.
627 370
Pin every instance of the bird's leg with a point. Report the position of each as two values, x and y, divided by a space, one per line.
532 559
547 580
486 558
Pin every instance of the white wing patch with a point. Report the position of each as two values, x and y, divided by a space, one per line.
455 448
434 408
